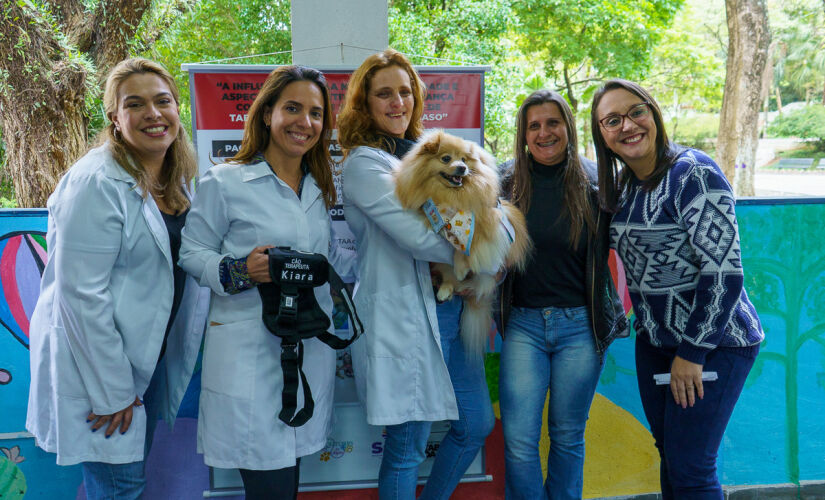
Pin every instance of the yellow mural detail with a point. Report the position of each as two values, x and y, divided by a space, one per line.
620 457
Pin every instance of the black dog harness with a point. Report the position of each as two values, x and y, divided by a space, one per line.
291 313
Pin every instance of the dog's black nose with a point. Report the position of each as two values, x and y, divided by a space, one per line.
460 169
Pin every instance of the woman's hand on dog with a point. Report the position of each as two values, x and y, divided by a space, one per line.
436 279
257 264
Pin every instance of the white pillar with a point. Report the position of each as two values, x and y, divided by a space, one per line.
338 32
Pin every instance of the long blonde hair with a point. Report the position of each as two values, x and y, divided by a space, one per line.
179 165
256 132
355 124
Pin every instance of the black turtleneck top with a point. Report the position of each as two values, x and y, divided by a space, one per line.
555 272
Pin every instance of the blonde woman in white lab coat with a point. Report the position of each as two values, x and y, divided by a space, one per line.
117 329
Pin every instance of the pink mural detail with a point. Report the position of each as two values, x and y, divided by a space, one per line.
8 275
620 280
41 252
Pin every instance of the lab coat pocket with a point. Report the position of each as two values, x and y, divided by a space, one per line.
399 326
230 357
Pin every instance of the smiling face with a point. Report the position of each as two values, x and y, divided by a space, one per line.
635 141
451 162
546 133
295 121
448 170
147 117
390 100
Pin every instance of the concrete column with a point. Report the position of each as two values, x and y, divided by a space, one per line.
327 32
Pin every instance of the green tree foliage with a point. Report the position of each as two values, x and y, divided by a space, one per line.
221 29
581 43
688 64
687 73
805 123
469 32
800 31
55 56
674 47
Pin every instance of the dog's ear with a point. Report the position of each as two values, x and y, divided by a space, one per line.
431 143
484 157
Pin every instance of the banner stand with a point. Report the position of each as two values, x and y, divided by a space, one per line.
221 95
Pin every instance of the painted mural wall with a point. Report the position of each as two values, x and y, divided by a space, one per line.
776 435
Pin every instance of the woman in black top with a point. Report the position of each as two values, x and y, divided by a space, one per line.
564 308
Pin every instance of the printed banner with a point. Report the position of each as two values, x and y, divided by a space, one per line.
221 96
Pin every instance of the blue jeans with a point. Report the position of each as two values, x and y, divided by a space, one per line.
405 445
688 439
546 349
104 481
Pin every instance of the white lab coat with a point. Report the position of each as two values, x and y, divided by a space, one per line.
105 298
236 208
399 368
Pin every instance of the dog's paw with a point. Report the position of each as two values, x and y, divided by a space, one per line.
461 270
445 293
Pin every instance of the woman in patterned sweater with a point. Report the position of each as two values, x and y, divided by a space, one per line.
674 227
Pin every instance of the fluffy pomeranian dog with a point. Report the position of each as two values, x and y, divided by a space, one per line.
454 184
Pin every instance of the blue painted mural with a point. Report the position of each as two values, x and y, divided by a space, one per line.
776 435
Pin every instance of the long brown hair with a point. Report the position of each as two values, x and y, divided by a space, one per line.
179 164
612 181
355 124
256 133
577 204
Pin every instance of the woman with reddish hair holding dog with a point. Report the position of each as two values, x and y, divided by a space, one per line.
562 312
410 366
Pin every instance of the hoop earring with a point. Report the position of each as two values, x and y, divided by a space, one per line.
116 133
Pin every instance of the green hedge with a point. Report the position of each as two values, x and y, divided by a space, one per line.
805 123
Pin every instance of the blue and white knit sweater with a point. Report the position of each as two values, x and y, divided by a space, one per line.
679 244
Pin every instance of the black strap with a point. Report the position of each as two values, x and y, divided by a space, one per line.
292 360
337 284
292 349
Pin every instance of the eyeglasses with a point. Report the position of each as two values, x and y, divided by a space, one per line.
637 114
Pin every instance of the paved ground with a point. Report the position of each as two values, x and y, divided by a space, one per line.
795 184
772 183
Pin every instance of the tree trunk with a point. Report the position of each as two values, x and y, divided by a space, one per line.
45 84
748 41
778 100
42 103
571 97
767 82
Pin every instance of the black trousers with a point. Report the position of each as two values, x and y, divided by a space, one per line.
278 484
